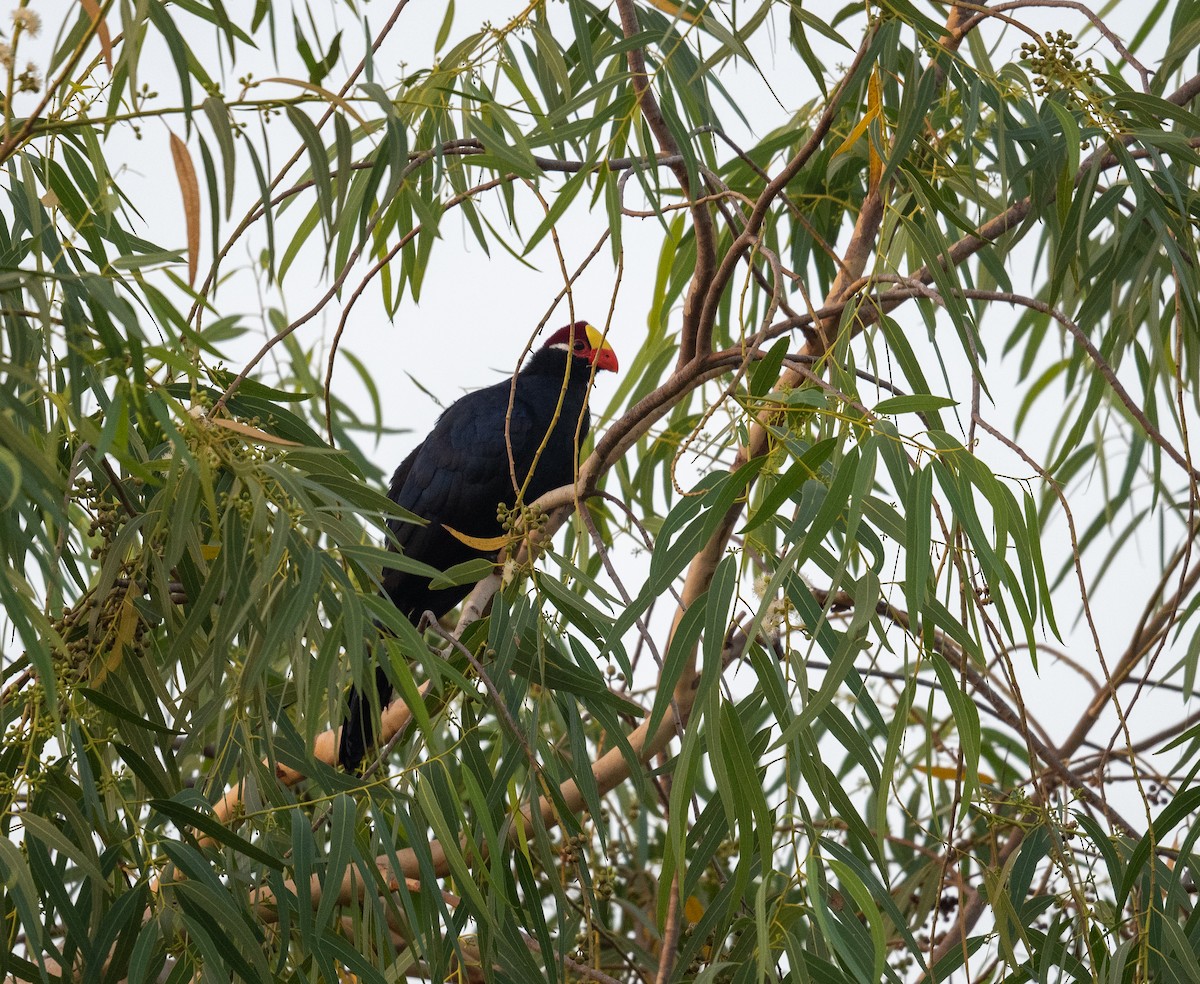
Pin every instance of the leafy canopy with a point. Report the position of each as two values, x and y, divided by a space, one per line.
863 647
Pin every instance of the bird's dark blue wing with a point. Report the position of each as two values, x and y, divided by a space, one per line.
477 456
457 478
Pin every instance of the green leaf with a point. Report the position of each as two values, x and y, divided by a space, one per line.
178 812
124 713
468 572
342 825
918 403
511 157
765 371
917 540
965 716
558 207
1184 804
218 118
318 162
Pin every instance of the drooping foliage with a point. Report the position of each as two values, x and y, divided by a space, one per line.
863 648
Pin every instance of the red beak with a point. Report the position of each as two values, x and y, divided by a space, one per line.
605 358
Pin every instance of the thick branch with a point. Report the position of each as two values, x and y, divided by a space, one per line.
696 337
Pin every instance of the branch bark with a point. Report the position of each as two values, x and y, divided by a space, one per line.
695 337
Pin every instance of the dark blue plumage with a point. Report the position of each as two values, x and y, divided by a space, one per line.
465 469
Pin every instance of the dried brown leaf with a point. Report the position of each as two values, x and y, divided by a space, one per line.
96 16
256 435
189 188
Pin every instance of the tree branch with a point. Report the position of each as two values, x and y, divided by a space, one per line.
695 337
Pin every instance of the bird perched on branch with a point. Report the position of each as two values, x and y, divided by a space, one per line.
517 439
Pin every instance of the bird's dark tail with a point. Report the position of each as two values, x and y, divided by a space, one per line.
358 730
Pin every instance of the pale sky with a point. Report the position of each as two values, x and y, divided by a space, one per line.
476 311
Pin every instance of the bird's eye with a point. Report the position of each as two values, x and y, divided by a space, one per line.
579 346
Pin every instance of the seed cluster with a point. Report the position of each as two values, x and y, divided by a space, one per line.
1054 64
527 518
107 518
95 624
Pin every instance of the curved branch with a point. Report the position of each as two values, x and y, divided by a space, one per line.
696 336
9 146
724 272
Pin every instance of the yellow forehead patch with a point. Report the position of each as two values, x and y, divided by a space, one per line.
596 338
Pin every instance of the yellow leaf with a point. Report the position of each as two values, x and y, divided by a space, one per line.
693 910
952 774
485 543
124 632
333 97
859 129
209 551
674 10
874 112
253 433
189 188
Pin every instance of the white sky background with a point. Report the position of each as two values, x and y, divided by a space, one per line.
476 311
